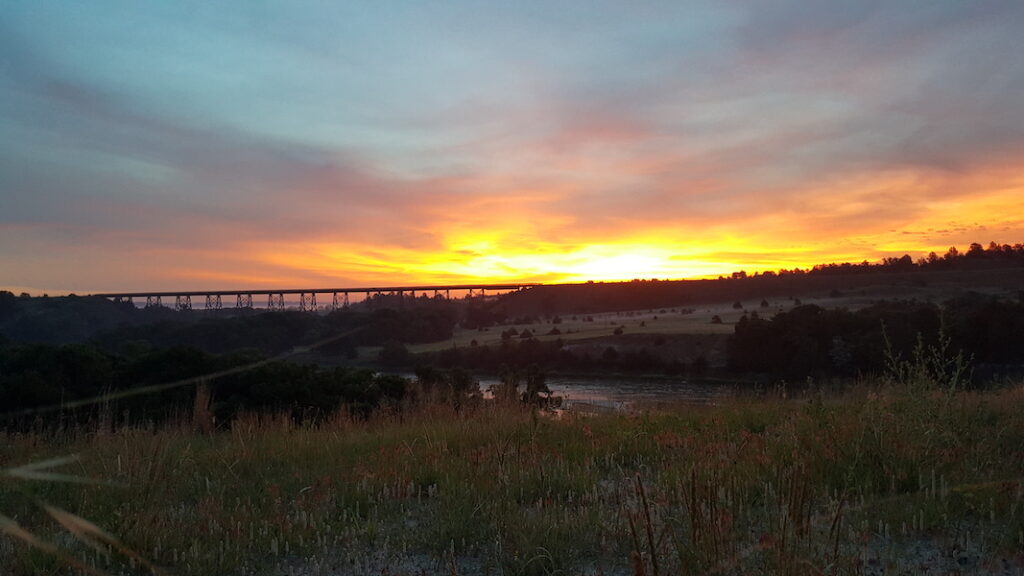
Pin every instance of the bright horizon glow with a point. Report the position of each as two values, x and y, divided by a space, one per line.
591 264
188 145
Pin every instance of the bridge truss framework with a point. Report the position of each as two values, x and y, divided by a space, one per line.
307 297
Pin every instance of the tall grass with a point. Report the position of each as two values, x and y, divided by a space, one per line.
812 485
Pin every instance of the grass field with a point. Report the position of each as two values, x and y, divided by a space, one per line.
686 320
897 476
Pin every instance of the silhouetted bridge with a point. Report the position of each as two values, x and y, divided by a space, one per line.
333 298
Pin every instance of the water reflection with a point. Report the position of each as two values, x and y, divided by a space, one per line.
624 393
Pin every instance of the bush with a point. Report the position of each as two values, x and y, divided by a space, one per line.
394 353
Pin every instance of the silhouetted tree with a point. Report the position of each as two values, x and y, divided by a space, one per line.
394 353
537 392
610 354
699 367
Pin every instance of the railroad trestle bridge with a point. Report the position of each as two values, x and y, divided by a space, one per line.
330 298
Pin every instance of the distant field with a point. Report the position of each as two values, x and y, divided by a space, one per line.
672 320
578 328
937 284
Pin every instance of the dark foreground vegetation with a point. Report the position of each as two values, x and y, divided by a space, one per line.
134 357
42 386
119 326
902 475
814 341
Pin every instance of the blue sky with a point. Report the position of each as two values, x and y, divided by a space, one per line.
194 144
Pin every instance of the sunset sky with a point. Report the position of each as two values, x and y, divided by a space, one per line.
193 145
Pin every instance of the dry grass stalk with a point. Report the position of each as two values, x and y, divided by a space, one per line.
95 536
14 530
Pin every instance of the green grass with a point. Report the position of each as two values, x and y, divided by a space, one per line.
757 485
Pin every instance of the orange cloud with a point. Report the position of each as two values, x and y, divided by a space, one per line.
857 217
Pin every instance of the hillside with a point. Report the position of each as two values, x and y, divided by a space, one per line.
926 284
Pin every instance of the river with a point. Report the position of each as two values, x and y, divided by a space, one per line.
625 392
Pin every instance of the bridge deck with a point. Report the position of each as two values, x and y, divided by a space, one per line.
350 290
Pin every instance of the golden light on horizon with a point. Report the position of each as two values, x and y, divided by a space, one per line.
533 244
869 216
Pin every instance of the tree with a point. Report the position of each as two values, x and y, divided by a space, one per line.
507 388
610 354
699 366
462 387
429 378
537 392
8 304
394 353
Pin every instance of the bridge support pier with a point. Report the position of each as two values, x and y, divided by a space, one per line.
307 302
153 301
275 301
182 302
337 303
244 301
213 302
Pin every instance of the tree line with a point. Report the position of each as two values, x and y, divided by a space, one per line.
975 256
740 285
810 340
41 376
527 352
118 326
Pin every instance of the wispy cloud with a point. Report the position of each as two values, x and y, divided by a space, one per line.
187 145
